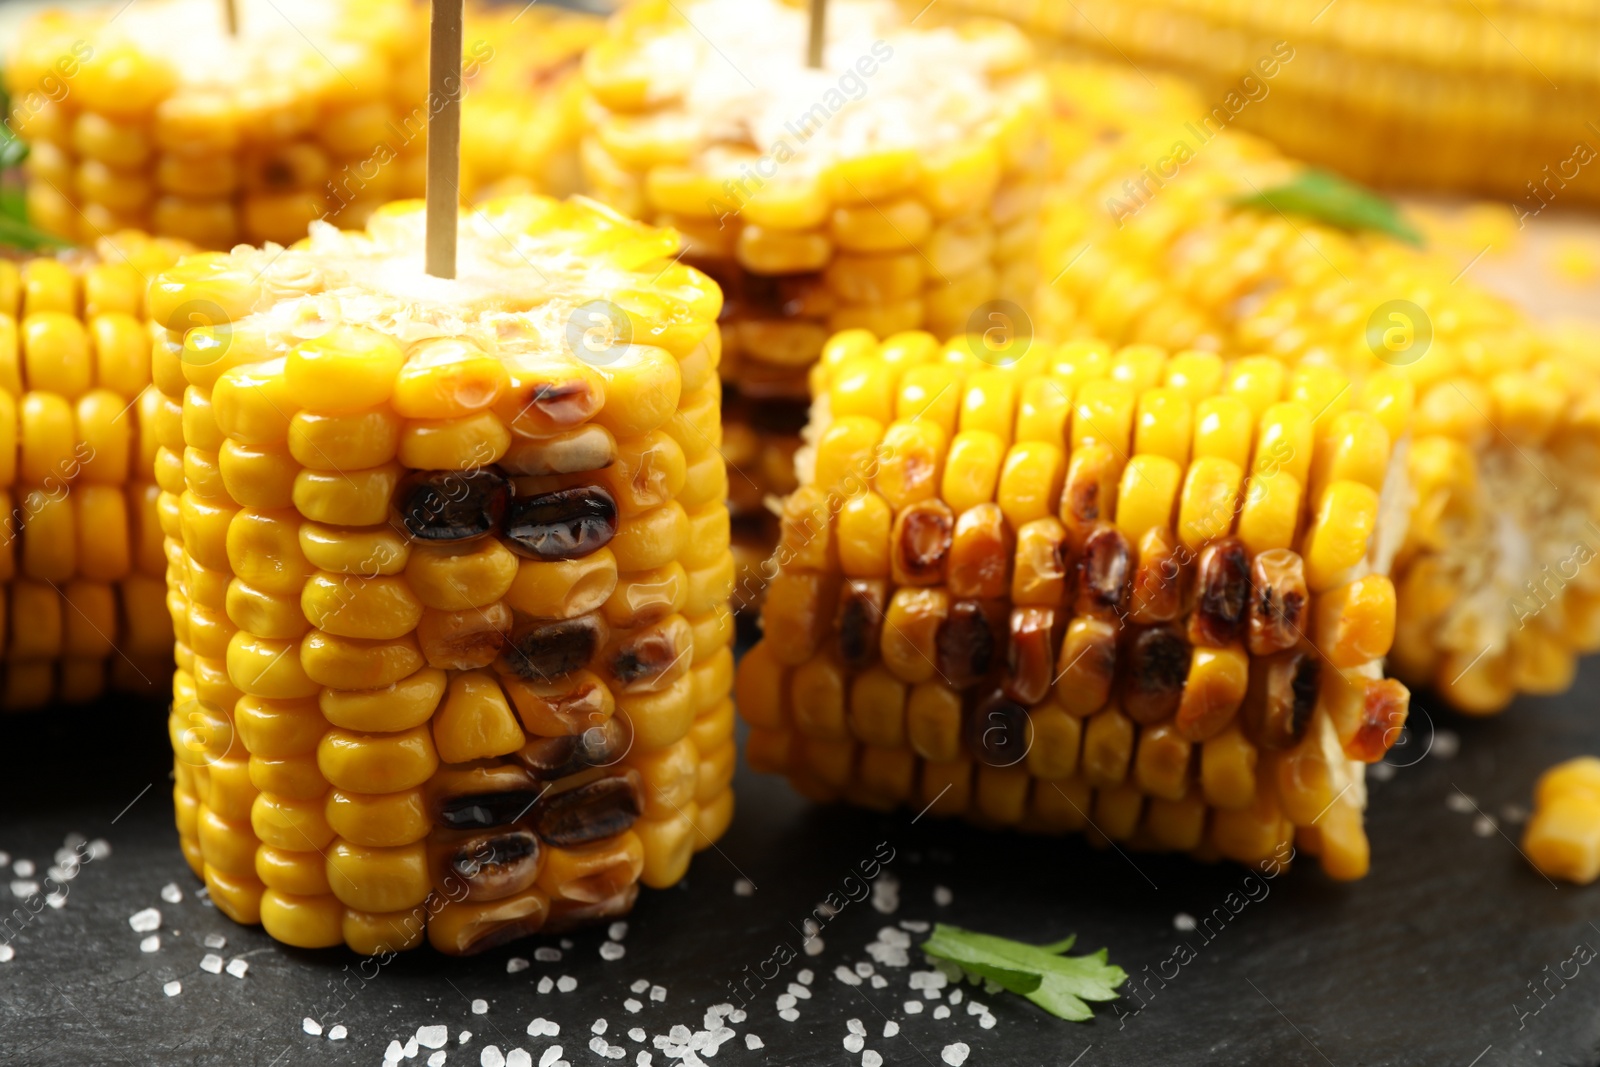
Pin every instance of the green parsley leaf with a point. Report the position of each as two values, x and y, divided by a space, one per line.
1058 983
19 235
1326 197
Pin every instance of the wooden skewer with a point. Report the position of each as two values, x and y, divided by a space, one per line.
444 137
230 15
818 34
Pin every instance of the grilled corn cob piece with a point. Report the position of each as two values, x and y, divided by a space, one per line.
1496 588
1087 588
82 603
895 189
1446 96
313 110
449 576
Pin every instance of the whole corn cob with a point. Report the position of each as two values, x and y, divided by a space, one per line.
896 188
523 108
313 109
1444 95
80 547
449 576
1088 589
1496 591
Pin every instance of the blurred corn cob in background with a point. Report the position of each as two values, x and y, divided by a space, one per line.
80 543
523 110
449 575
314 108
1444 95
1087 588
1161 236
894 188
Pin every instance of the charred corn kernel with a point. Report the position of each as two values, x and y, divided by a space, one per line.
913 457
1089 494
414 627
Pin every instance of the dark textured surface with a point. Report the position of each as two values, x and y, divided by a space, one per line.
1425 962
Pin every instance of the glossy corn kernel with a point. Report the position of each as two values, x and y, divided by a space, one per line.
297 132
1562 838
466 641
1102 632
870 239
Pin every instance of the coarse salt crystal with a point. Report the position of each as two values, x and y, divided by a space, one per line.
814 946
640 985
597 1045
211 963
519 1057
879 982
7 953
215 941
492 1057
787 1000
1484 826
394 1053
171 893
846 975
912 1007
546 984
864 969
871 1058
752 1042
617 931
23 868
1380 771
796 989
736 1016
611 951
658 993
237 967
916 926
171 989
151 944
99 848
464 1036
516 964
542 1027
599 1027
856 1026
633 1005
956 995
636 1034
146 921
5 858
338 1032
480 1007
943 898
1183 922
437 1059
788 1015
1460 802
410 1051
57 900
941 1012
886 894
547 954
566 984
955 1055
891 1028
1446 743
986 1021
550 1055
854 1042
566 942
435 1036
743 887
311 1026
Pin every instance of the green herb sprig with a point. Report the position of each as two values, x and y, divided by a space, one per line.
1058 983
1326 197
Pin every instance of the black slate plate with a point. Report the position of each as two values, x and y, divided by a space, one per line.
1427 961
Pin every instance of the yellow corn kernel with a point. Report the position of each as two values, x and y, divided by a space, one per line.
1103 414
1030 482
1228 770
862 534
1209 500
1147 494
911 468
1164 425
1355 623
971 470
348 368
1258 381
930 393
1337 537
1353 447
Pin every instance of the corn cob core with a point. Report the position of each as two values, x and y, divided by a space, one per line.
1431 95
80 546
314 110
896 188
1496 592
1088 589
449 574
522 111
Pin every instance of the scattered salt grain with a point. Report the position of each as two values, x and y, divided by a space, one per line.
846 975
658 993
611 952
632 1005
516 964
542 1027
986 1021
23 888
891 1028
854 1043
151 944
566 984
1380 771
636 1034
752 1042
519 1057
975 1007
955 1055
437 1059
492 1057
743 887
1460 802
99 848
912 1007
617 931
871 1058
410 1051
955 996
147 921
639 986
338 1032
171 893
545 984
1446 743
5 858
211 963
23 868
171 989
550 1055
547 954
480 1007
436 1036
795 989
886 894
1514 813
215 941
599 1027
864 969
880 982
916 926
787 1000
311 1026
566 942
1484 826
814 946
464 1036
941 1012
943 898
1183 922
788 1015
394 1053
7 953
856 1026
736 1016
805 977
